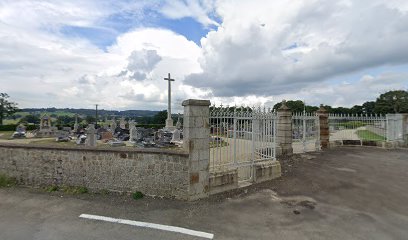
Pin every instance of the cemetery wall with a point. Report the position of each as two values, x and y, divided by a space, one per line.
152 171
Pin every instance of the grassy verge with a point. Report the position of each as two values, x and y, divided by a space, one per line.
6 134
52 142
218 144
73 190
369 136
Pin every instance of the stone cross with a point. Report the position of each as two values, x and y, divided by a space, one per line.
132 133
76 123
90 136
169 120
131 124
113 126
122 123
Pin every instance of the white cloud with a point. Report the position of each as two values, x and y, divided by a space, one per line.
261 53
197 9
274 47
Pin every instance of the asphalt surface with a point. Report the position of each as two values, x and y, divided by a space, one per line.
344 193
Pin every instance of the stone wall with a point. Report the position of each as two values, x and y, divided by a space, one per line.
151 171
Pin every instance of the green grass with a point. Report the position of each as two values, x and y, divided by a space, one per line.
6 134
10 121
218 144
52 188
369 136
352 124
6 181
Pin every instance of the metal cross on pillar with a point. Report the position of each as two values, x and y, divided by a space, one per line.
169 120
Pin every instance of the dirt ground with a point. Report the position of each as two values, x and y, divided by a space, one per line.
342 193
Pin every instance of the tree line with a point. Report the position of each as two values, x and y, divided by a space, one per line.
389 102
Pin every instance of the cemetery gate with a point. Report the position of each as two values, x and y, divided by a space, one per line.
305 132
241 138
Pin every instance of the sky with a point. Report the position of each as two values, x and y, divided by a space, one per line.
115 53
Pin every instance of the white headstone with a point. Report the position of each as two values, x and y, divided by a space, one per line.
178 124
176 136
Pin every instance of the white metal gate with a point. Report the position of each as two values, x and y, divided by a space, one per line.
240 138
358 127
305 132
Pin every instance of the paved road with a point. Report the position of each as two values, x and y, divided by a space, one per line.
346 193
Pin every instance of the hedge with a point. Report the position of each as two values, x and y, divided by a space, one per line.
12 127
155 126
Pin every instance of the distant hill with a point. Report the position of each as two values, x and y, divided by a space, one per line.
91 112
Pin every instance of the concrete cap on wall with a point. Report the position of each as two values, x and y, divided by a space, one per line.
196 102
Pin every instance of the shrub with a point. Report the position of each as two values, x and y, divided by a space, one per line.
137 195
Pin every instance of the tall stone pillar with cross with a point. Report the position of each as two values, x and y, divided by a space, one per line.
169 120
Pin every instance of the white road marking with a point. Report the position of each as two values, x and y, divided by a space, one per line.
150 225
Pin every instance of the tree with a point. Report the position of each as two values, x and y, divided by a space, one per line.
65 120
30 119
295 106
160 117
392 102
90 119
368 107
7 108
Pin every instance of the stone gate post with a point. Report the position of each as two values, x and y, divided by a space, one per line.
324 127
196 134
284 131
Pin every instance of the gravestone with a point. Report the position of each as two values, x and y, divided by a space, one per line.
20 132
122 123
106 136
113 126
46 129
132 133
176 136
178 124
45 122
90 136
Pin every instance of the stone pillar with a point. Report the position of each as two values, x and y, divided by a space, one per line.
324 127
397 128
284 131
196 133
